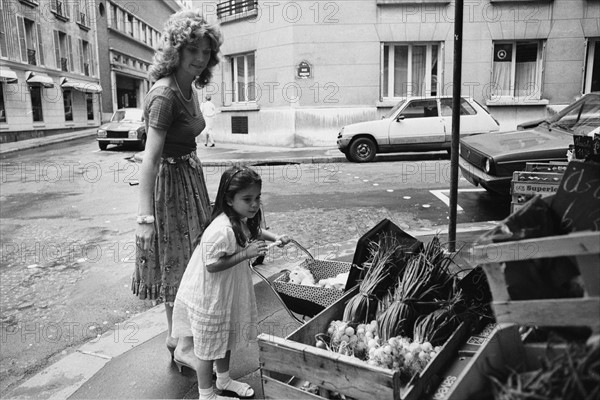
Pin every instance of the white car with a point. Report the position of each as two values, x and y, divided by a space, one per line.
414 124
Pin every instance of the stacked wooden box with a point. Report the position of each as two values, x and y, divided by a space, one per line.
538 178
577 206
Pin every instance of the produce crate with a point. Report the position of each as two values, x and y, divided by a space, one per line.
582 311
294 359
504 351
551 166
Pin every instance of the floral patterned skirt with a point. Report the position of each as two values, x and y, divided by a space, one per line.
182 212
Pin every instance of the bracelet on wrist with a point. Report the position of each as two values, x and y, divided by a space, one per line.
145 219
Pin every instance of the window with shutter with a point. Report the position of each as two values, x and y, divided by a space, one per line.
71 66
81 56
22 40
40 44
57 49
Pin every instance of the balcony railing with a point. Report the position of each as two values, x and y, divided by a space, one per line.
31 59
64 65
233 7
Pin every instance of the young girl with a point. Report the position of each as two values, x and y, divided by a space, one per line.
216 304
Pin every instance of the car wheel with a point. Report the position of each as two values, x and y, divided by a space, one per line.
362 150
142 144
102 145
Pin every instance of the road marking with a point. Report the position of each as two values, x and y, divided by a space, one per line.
443 194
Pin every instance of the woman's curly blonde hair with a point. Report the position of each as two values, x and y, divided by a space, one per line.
181 29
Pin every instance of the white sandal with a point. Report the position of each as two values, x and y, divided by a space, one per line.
240 389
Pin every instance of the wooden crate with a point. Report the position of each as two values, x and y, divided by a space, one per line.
584 311
281 360
504 351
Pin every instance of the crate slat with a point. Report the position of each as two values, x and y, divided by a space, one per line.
326 369
581 311
573 244
274 389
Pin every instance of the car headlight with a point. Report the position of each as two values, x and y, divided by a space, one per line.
101 133
340 133
132 134
488 166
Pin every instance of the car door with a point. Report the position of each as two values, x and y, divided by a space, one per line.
471 120
416 124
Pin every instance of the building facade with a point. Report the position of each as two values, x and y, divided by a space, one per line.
294 72
128 33
49 78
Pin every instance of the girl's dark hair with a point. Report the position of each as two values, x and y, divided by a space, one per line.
184 28
232 181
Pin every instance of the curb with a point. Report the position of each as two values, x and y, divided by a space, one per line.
14 147
138 157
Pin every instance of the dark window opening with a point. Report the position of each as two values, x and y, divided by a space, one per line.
36 103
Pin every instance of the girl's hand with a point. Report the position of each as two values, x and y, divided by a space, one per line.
283 239
144 236
256 248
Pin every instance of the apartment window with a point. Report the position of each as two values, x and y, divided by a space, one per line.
63 49
81 12
84 60
89 100
36 102
68 104
2 107
60 9
244 80
235 7
130 25
30 36
113 20
592 66
516 69
410 70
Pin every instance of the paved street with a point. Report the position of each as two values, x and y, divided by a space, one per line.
68 223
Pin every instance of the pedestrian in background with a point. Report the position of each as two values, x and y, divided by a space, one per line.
216 303
174 206
208 110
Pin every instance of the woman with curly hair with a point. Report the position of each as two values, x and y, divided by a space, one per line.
174 207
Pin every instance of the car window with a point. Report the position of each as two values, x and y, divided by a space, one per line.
118 116
393 111
420 109
581 118
465 107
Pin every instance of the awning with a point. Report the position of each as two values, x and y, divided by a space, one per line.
82 86
39 79
8 75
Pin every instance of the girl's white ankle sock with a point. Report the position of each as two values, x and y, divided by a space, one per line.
206 394
222 379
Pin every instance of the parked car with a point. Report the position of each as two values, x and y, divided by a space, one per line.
490 160
414 124
126 126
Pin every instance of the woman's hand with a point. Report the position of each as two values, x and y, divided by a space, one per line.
144 236
256 248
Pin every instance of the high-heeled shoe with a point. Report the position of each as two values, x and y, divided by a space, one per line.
180 364
171 347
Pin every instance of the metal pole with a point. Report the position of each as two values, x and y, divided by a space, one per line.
456 90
